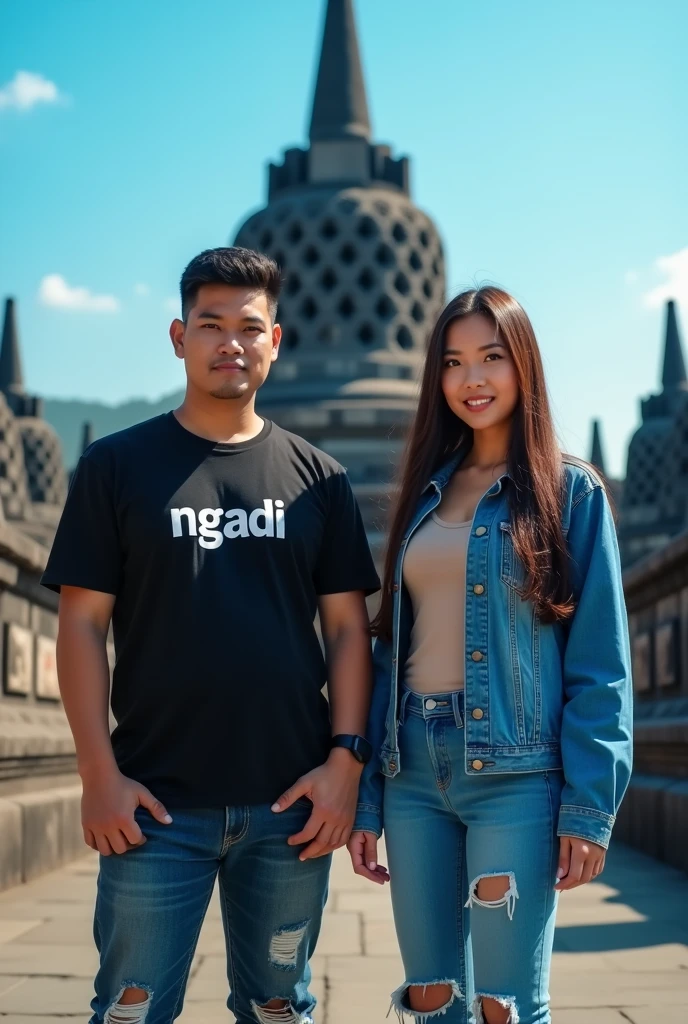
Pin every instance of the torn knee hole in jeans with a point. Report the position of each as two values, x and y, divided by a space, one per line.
129 1013
508 1002
283 1014
401 1006
508 899
285 944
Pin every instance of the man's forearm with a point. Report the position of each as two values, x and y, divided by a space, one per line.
350 676
84 678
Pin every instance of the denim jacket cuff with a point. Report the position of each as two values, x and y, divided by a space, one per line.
585 823
368 819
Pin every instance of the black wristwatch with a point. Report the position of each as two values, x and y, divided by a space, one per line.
358 745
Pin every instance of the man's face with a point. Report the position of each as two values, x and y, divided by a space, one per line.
228 341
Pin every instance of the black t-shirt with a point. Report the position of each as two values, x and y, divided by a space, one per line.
216 554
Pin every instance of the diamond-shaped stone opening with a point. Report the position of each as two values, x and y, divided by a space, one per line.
402 284
415 262
404 337
329 228
293 285
424 238
427 289
366 279
367 228
409 214
266 239
366 334
346 307
436 267
399 232
309 308
347 253
311 256
417 312
385 308
295 233
328 280
382 207
291 337
384 255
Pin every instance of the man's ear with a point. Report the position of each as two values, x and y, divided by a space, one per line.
177 337
276 339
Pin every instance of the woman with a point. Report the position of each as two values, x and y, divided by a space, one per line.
501 714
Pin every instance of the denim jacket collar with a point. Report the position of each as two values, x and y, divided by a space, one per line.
443 475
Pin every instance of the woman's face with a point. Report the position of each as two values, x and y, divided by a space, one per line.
479 377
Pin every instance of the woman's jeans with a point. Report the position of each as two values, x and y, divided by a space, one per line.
445 831
152 901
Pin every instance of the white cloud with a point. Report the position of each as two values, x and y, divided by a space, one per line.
141 289
172 306
54 291
26 90
675 270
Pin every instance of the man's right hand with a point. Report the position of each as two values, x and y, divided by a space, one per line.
362 847
108 804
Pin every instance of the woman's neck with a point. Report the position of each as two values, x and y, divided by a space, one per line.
490 447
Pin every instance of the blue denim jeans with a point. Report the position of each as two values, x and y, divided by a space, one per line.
152 901
445 831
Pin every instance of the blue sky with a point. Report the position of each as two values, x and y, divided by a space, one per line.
548 143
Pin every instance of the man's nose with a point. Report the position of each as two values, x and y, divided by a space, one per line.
230 343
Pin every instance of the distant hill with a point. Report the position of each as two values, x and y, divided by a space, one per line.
68 416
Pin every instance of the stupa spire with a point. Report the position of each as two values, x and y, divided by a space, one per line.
340 106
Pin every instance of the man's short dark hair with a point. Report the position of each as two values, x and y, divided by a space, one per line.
239 268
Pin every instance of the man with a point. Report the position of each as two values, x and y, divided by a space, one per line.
210 537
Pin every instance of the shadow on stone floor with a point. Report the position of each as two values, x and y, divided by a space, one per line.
654 903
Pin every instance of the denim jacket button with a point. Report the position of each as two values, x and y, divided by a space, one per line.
481 531
477 713
478 589
392 766
476 656
478 765
395 587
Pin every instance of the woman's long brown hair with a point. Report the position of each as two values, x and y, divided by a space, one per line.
534 459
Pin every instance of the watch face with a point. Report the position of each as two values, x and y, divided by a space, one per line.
358 747
363 750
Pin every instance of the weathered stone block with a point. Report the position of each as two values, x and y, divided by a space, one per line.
10 844
41 832
51 829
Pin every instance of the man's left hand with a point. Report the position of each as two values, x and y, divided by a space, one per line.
333 790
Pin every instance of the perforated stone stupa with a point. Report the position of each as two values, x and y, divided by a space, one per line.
363 275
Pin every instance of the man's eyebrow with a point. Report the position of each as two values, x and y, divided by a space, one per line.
253 320
208 315
483 348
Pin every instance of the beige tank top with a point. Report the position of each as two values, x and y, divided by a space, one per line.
435 577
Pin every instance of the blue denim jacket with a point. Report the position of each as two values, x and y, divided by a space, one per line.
538 696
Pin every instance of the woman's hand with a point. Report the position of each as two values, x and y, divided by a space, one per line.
362 847
580 861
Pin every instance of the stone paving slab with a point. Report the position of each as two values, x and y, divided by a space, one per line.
621 950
